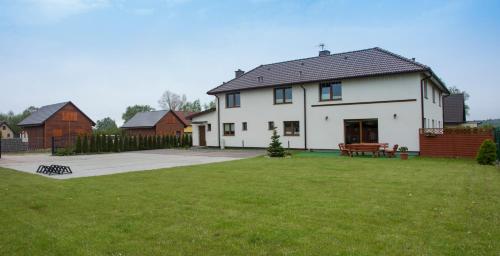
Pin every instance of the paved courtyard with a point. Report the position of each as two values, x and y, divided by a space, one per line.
105 164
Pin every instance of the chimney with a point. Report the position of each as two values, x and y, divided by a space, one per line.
238 73
324 53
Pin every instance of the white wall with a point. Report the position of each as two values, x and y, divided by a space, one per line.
257 108
210 136
432 111
402 130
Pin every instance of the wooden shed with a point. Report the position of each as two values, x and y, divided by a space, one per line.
158 123
61 120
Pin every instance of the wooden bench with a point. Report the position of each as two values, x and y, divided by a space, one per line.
373 148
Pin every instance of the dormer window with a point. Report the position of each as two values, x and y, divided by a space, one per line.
260 79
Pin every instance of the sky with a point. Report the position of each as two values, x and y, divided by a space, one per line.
105 55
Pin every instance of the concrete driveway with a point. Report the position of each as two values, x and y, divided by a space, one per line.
105 164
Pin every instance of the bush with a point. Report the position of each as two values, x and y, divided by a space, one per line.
275 149
65 151
487 154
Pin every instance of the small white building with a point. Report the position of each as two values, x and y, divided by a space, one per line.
363 96
5 131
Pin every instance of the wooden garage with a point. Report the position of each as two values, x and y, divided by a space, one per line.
158 123
62 120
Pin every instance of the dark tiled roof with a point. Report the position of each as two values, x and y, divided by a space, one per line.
145 119
150 119
369 62
454 109
42 114
182 115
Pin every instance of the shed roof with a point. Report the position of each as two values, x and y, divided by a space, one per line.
43 113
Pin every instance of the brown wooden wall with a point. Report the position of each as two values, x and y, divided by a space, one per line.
169 125
68 122
36 139
453 143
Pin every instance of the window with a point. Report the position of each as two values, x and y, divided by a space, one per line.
3 128
233 100
440 96
330 91
439 124
228 129
433 95
425 89
244 126
270 125
283 95
425 123
433 124
8 135
291 128
209 127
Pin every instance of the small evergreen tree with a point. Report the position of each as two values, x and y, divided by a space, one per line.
109 144
140 145
169 142
275 149
487 154
116 144
150 142
99 143
126 143
78 147
190 140
85 144
92 144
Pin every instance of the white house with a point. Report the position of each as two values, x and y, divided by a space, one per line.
370 95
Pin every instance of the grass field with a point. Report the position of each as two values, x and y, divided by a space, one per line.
305 205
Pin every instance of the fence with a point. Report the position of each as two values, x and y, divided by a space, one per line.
453 142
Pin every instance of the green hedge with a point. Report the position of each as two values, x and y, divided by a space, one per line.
97 143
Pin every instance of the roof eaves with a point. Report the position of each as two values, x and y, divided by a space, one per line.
321 80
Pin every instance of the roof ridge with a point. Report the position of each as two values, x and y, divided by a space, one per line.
280 62
401 57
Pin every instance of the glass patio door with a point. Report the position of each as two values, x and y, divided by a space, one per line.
361 131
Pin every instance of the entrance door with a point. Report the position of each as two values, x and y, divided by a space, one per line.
201 135
361 131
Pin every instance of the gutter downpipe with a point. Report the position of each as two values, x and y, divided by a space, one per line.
218 120
305 118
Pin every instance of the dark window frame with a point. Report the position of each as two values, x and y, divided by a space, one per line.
244 126
294 124
433 94
331 86
230 132
425 90
233 95
209 127
270 125
283 89
440 95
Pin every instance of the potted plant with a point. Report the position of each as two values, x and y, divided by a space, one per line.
403 153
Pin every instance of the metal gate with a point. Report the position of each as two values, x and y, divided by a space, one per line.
497 141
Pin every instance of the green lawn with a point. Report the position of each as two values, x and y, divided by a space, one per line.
303 205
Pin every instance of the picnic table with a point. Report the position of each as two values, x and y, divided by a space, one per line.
373 148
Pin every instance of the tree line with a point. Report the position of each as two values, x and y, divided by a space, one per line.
101 143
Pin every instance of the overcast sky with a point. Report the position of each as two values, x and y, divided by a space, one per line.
105 55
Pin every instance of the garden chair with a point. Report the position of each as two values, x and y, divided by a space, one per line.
343 150
391 152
